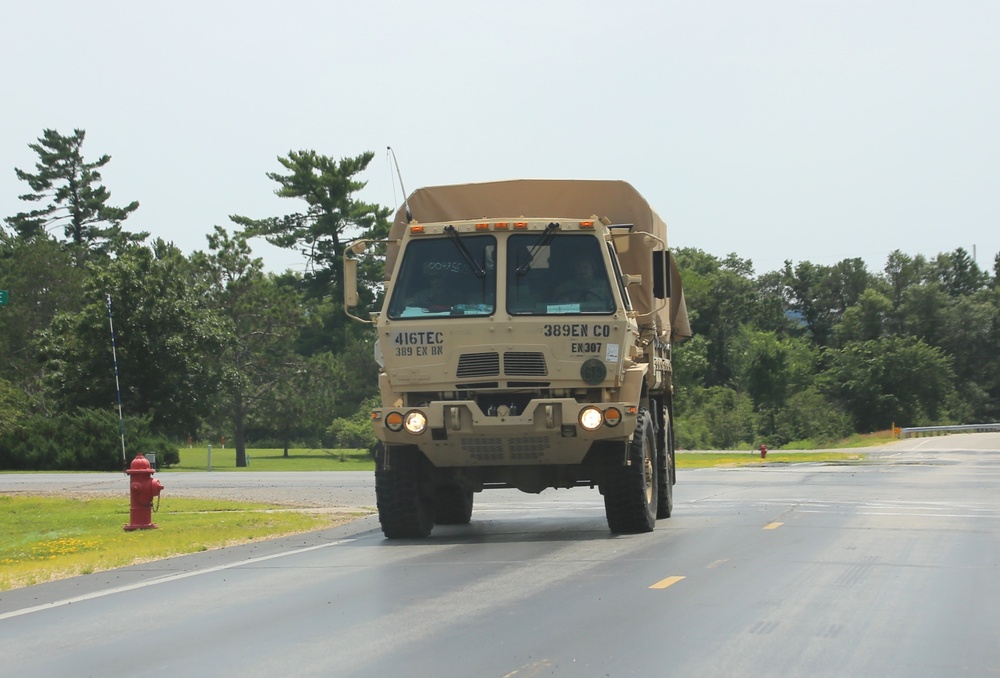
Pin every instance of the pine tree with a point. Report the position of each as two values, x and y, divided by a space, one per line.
75 199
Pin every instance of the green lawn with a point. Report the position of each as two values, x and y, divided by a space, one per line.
46 538
360 460
224 459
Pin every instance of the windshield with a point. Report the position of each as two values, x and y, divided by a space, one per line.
564 274
436 279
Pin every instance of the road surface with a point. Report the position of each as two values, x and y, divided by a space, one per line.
888 568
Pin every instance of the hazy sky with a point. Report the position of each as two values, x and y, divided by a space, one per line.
776 129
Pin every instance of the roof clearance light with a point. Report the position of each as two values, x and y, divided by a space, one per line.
483 226
416 229
394 421
586 224
520 224
501 225
416 422
591 418
376 415
612 416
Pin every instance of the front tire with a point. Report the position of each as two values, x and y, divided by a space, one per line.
403 492
452 505
631 491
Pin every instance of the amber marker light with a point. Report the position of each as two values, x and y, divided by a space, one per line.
482 226
520 224
612 416
394 421
414 230
586 224
501 225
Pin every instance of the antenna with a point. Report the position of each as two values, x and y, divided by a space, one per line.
409 214
114 358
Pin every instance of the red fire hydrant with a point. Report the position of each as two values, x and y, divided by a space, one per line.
144 489
763 451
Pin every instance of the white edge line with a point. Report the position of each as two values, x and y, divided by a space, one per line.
164 580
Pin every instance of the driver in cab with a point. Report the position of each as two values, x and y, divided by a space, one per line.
585 286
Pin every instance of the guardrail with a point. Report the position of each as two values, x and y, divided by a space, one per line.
921 431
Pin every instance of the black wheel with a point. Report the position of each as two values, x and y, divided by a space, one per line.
630 491
452 505
665 469
403 492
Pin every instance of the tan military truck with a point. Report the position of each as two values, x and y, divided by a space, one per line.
524 342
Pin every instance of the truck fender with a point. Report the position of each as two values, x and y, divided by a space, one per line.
635 377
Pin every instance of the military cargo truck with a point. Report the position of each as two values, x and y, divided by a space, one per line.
524 342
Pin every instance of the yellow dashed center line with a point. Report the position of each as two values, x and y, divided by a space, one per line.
664 583
773 526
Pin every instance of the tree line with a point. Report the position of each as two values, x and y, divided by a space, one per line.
815 353
210 344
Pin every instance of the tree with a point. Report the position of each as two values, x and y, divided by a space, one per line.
332 217
328 187
899 379
167 336
958 273
262 319
43 282
866 319
76 200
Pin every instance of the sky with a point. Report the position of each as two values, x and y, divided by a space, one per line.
802 130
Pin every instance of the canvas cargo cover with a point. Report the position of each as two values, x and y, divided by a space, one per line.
616 201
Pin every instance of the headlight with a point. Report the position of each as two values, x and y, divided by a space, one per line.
591 418
394 422
415 422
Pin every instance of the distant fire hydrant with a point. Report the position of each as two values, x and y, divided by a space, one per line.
763 451
144 489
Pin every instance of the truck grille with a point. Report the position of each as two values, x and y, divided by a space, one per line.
478 365
515 364
525 448
519 364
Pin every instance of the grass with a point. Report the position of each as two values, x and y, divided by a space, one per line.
48 538
224 459
854 441
713 459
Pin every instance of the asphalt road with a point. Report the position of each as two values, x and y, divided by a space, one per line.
883 569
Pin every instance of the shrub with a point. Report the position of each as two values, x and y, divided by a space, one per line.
81 440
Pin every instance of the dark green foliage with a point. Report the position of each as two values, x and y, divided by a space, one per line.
81 440
355 431
74 198
168 341
853 351
333 216
894 380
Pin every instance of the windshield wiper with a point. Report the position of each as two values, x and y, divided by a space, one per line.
477 270
543 240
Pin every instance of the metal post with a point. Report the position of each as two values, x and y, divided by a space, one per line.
114 358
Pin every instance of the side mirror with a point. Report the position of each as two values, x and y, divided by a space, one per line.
628 280
661 274
350 283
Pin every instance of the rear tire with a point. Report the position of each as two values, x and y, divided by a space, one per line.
452 505
630 492
665 469
403 492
